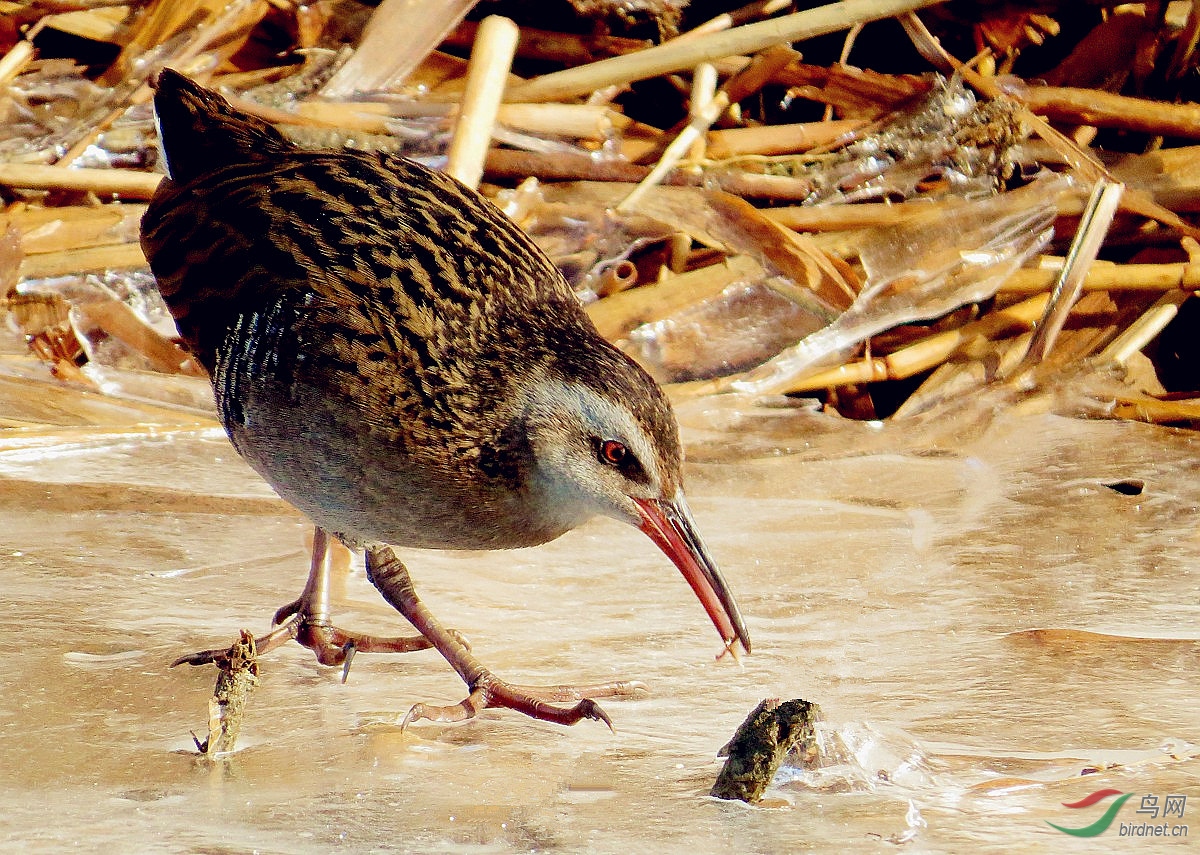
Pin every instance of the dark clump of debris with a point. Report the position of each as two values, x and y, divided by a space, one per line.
774 730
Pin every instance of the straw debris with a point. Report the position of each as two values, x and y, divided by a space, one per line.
720 190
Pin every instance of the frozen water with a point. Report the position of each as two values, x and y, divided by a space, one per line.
979 616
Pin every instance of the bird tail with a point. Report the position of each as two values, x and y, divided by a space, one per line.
200 131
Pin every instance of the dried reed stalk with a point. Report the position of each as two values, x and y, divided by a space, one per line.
1106 276
778 139
793 255
1093 229
1147 409
487 75
925 354
741 85
748 77
506 163
616 315
103 182
75 226
15 61
1108 110
123 324
576 121
726 20
566 48
103 24
704 89
688 53
677 149
398 37
89 259
1145 329
754 185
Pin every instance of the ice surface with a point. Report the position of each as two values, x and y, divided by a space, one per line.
979 616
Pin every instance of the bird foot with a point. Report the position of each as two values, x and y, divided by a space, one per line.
306 619
388 574
489 692
331 645
264 644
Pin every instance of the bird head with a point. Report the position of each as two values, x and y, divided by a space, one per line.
607 444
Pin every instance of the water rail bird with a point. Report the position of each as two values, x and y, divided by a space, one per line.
402 363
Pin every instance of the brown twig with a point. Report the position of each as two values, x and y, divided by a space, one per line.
688 53
1109 110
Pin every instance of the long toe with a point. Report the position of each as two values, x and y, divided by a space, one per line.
539 702
278 636
330 644
623 689
471 706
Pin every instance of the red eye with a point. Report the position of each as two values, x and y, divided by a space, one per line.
613 452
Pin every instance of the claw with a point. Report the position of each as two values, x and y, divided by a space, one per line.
201 657
348 650
491 693
587 708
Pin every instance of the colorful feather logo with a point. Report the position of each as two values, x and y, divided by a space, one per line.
1101 825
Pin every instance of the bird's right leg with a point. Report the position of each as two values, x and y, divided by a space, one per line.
390 576
307 620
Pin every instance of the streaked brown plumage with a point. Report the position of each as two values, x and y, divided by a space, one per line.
402 363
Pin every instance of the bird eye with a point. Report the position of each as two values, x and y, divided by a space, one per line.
613 452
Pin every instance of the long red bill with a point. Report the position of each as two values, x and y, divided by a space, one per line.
669 524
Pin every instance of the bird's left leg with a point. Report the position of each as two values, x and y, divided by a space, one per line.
307 620
390 576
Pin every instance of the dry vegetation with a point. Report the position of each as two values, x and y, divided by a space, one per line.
932 197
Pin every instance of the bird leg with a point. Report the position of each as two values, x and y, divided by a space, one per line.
307 620
487 691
